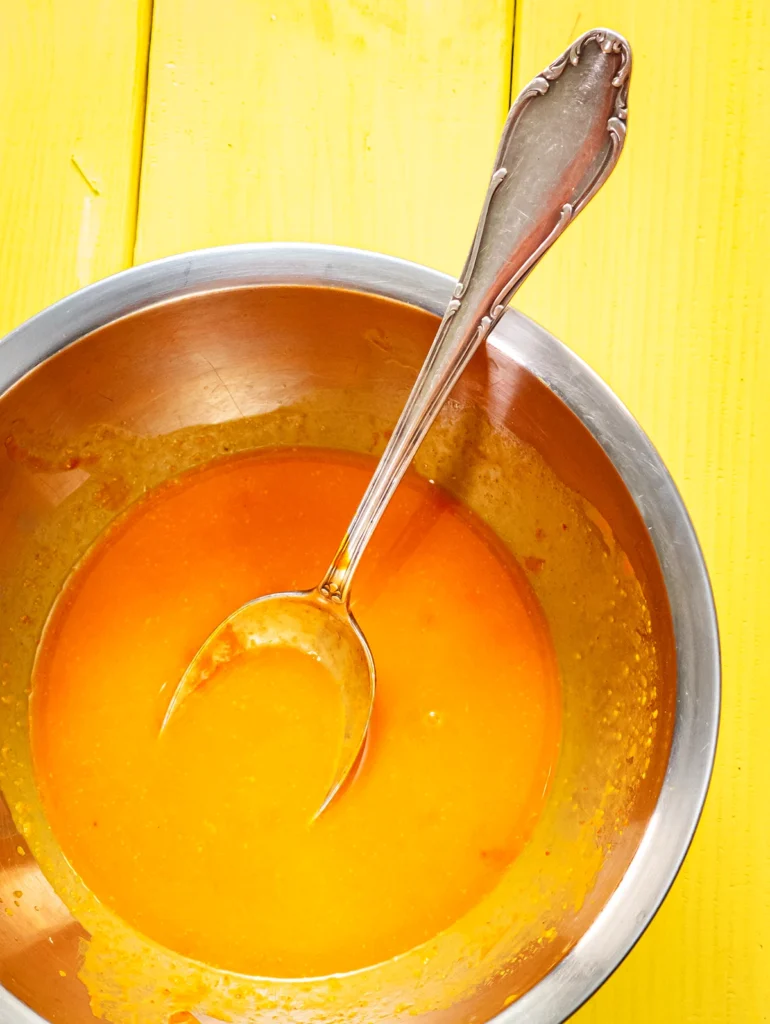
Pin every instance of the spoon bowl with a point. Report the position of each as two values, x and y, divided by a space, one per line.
310 621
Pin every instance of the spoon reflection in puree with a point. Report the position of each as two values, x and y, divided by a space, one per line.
205 839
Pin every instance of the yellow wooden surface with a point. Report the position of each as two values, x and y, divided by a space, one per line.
72 77
662 286
360 122
328 120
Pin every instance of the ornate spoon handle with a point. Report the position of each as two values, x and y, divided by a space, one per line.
562 138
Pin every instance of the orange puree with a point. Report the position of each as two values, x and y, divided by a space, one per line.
203 839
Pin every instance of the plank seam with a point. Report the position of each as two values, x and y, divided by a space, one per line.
515 16
142 133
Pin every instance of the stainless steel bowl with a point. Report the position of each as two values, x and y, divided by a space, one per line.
219 351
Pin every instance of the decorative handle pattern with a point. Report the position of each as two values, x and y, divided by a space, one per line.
561 140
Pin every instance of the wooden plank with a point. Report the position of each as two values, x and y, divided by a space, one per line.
72 78
366 124
662 287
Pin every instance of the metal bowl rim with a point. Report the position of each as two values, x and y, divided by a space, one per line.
671 827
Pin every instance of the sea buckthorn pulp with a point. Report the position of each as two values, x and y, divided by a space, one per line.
203 839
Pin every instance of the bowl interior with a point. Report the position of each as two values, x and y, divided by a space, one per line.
173 385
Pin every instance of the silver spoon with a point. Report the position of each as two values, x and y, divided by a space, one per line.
562 138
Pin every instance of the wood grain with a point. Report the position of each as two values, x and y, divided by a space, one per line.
662 286
359 123
72 78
